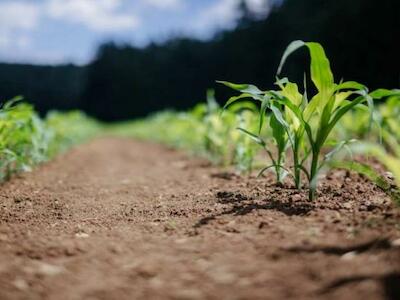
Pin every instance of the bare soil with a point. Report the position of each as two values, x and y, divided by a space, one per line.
122 219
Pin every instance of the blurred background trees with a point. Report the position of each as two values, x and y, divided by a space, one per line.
123 81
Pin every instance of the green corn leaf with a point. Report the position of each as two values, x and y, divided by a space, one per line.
341 97
265 169
327 112
313 107
370 103
278 129
338 115
244 88
281 82
350 85
293 46
322 77
263 111
337 148
244 106
239 98
9 153
275 166
321 73
10 103
297 112
279 117
253 136
383 93
291 92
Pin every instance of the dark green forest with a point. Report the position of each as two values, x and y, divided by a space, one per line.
360 36
48 87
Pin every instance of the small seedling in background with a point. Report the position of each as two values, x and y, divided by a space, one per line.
26 139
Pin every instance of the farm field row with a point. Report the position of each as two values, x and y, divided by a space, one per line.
296 135
120 219
280 194
26 139
300 136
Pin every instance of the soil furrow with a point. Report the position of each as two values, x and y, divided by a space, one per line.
122 219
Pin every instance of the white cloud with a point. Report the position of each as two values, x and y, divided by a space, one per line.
222 14
18 15
45 57
14 42
22 21
4 41
258 6
23 42
164 4
99 15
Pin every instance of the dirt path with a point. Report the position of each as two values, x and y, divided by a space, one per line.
119 219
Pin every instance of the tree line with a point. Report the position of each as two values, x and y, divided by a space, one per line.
123 82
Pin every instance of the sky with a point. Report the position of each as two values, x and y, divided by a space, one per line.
69 31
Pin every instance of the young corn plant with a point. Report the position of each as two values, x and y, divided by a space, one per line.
307 124
388 119
244 150
278 137
355 123
217 132
317 118
201 131
222 141
24 138
27 140
67 129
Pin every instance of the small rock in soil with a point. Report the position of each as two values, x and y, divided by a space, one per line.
20 284
81 235
45 269
349 255
396 243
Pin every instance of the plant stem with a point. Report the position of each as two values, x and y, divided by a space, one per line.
313 175
278 171
297 171
297 179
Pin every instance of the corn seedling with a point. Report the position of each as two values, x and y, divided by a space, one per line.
244 150
23 138
26 139
278 133
201 130
302 125
68 129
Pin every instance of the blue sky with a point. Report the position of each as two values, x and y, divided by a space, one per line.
62 31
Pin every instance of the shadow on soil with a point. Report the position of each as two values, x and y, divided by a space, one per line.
374 244
242 205
390 283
